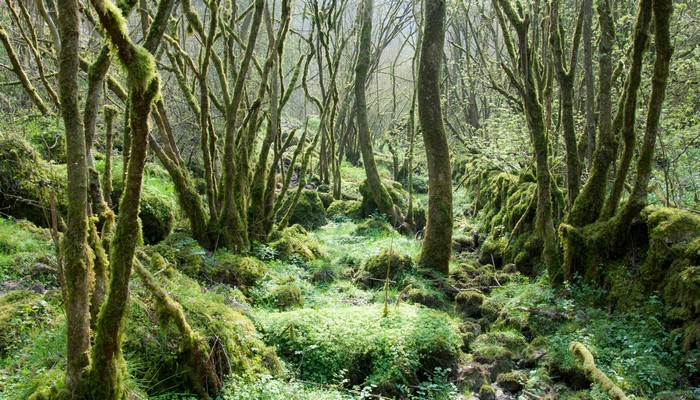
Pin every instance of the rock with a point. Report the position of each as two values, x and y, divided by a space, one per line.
487 393
512 381
468 303
472 376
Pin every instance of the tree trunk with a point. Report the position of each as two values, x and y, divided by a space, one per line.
74 247
374 183
437 243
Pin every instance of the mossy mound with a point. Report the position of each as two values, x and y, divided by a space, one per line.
468 303
329 345
373 227
295 242
512 381
309 211
351 209
287 296
326 198
153 343
183 252
388 263
235 270
157 208
26 181
399 196
505 205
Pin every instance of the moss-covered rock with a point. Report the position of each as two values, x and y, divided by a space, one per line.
236 270
294 242
512 381
373 227
326 199
400 198
157 217
26 181
324 274
351 209
309 211
388 263
424 297
181 250
468 303
153 342
486 392
287 296
472 376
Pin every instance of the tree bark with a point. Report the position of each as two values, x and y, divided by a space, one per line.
74 246
374 183
437 243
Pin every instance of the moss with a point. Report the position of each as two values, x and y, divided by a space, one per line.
394 263
294 242
468 303
325 274
499 345
26 181
351 209
309 211
235 270
184 252
287 296
326 198
373 227
399 197
593 373
425 297
512 381
486 392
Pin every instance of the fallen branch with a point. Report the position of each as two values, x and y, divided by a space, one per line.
593 373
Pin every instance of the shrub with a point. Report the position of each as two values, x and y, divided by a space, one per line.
309 211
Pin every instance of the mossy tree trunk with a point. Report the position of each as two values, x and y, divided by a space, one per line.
566 80
76 253
529 91
437 243
108 368
379 193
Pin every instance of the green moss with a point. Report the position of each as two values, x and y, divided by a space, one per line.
399 197
373 227
468 303
392 262
492 346
309 211
184 252
235 270
486 392
326 198
512 381
351 209
287 296
26 181
294 242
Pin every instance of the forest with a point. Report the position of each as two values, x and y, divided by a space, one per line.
350 199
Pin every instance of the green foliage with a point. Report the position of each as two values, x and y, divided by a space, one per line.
183 252
271 388
399 196
330 345
309 211
46 134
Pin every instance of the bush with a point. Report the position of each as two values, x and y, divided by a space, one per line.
393 262
329 345
309 211
351 209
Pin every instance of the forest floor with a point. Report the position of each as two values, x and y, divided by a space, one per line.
341 329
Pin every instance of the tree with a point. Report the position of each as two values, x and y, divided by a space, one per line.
437 243
379 193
